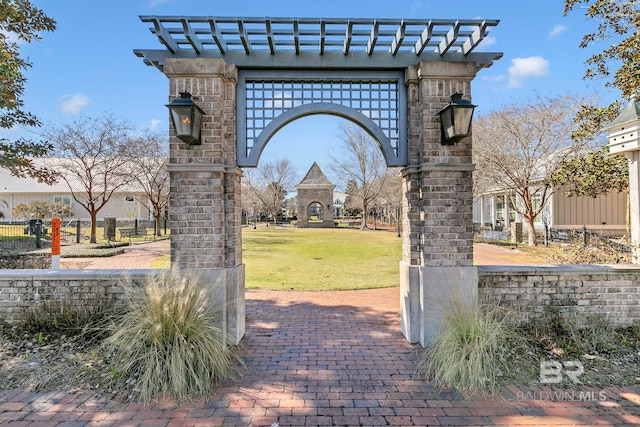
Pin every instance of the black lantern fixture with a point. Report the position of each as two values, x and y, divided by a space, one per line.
456 119
186 117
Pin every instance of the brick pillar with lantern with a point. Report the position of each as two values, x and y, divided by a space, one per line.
205 209
437 260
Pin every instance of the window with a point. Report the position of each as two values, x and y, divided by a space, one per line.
63 200
129 199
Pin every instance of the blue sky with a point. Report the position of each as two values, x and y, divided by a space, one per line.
87 66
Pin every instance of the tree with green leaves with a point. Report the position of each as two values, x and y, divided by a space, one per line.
20 21
592 174
619 26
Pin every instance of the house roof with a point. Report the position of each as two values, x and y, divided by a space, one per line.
315 177
13 185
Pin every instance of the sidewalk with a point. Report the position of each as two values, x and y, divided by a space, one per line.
140 256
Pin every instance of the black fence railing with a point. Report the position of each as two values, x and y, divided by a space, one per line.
35 234
25 235
614 238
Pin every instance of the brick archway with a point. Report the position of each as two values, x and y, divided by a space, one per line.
218 59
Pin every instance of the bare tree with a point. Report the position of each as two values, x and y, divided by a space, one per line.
390 196
92 161
362 164
270 183
518 147
149 159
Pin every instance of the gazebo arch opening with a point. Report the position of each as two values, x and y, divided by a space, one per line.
316 212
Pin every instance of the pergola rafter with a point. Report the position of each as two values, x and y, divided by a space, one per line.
361 42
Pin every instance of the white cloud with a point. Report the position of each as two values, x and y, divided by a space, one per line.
155 124
524 68
496 78
488 41
557 30
71 104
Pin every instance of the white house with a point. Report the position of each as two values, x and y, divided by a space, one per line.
129 204
606 212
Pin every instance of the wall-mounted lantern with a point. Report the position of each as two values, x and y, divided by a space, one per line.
186 117
455 119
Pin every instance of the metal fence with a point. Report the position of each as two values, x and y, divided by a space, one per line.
616 239
35 234
25 235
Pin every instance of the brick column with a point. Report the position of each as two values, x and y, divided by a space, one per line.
205 206
437 265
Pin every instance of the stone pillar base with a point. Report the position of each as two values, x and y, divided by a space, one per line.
226 287
427 293
410 309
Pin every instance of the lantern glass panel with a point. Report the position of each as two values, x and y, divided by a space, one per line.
462 120
182 119
447 122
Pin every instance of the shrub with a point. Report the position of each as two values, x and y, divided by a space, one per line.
167 341
597 252
561 335
63 317
471 350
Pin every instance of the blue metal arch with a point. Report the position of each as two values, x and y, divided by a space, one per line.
322 108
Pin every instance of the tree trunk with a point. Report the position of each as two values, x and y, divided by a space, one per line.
94 222
363 225
158 231
533 239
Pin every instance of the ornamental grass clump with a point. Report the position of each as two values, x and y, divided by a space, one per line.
472 349
167 341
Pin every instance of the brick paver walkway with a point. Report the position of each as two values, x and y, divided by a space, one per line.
329 358
324 358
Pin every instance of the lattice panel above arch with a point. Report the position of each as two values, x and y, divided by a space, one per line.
269 102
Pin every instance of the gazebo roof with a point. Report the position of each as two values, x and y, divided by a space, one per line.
315 178
312 42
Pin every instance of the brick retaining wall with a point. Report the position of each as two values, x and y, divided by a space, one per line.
23 289
576 291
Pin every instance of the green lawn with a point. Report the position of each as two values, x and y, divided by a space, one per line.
320 259
317 259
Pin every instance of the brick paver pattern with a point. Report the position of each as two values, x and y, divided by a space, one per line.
329 358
